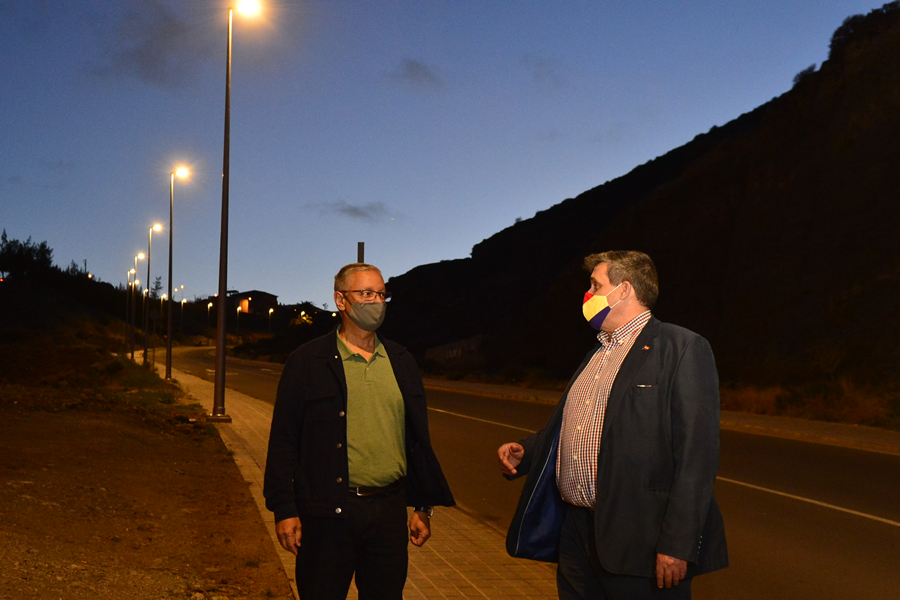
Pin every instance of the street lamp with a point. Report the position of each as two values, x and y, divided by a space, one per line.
140 256
128 296
182 314
208 306
248 7
157 228
271 310
182 172
238 325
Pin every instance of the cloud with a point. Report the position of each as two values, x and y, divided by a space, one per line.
544 72
548 137
152 43
373 211
414 73
61 167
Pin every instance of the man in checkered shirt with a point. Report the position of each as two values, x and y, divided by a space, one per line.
620 481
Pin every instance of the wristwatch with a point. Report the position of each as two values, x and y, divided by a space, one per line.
425 509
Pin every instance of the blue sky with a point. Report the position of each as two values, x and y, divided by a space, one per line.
418 127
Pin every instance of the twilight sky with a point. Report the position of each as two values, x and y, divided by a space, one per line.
419 127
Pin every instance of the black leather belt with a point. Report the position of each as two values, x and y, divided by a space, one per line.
364 490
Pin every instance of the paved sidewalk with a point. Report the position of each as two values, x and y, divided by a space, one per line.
465 558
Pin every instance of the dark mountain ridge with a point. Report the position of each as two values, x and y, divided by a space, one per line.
774 237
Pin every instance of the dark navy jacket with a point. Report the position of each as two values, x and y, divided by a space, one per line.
306 468
658 458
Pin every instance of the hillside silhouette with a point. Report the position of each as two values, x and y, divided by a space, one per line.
774 236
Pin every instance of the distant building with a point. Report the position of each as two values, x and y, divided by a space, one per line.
253 302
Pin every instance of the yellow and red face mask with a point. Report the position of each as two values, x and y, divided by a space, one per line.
595 308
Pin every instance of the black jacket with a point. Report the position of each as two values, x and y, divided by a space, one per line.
657 463
306 468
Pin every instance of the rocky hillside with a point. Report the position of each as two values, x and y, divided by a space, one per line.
774 236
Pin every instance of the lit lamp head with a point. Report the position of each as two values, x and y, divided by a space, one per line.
157 228
248 7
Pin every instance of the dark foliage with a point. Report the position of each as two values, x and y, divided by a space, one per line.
804 74
859 29
21 260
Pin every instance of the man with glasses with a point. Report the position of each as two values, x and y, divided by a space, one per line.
349 450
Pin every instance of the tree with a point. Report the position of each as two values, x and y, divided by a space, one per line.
156 289
20 260
804 74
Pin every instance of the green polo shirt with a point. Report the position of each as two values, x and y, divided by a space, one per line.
376 418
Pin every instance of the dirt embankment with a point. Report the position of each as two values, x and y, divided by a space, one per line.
108 489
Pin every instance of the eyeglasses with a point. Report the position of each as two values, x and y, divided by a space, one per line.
370 294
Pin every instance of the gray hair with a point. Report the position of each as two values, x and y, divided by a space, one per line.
341 280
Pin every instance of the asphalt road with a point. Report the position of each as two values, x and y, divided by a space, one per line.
803 520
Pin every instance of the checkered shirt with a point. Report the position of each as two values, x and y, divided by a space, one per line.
579 440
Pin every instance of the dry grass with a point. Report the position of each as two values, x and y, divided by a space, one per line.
839 401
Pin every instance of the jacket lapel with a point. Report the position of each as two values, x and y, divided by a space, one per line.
633 362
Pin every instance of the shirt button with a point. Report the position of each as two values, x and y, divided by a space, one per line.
341 414
340 479
340 445
337 511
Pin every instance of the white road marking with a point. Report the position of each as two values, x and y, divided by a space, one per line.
811 501
749 485
447 412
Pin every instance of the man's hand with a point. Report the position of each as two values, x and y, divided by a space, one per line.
419 528
289 533
669 570
510 456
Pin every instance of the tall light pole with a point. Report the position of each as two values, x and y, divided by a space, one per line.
182 172
271 310
128 297
237 323
157 227
139 256
218 412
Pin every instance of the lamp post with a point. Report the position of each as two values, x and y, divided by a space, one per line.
271 310
139 256
157 227
128 297
182 172
208 306
218 412
238 322
182 314
161 300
